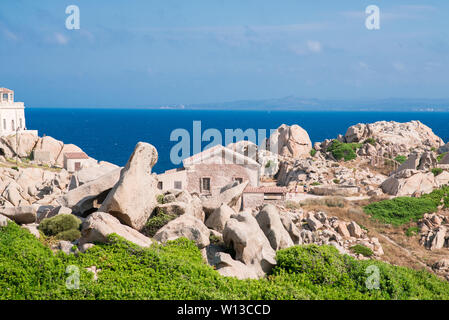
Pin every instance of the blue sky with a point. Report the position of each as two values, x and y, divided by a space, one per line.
152 53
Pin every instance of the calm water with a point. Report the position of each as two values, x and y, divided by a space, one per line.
111 135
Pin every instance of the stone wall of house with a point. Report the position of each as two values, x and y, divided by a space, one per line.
169 178
220 175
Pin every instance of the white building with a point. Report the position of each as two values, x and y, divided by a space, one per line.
12 114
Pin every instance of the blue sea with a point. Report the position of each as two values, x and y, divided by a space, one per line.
111 134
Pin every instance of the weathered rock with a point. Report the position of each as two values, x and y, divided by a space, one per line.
88 174
271 224
231 195
83 198
243 234
406 135
85 246
32 228
313 223
21 215
439 238
229 267
50 145
408 182
354 229
291 228
24 145
290 141
217 220
133 198
4 220
186 226
64 246
342 229
99 225
427 161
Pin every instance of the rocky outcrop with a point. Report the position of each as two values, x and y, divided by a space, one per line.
217 219
243 234
229 267
230 195
21 215
50 145
434 231
406 135
271 224
186 226
24 145
88 174
290 141
133 198
409 182
90 195
99 225
4 220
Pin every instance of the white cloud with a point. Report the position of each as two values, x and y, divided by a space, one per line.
314 46
399 66
60 38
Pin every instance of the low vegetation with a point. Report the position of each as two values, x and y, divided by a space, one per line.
346 151
401 159
441 156
401 210
371 141
62 227
363 250
176 271
436 171
313 152
159 219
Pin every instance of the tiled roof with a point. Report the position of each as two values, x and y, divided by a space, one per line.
76 155
265 190
3 90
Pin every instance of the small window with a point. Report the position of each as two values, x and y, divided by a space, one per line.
12 125
21 123
178 185
4 124
205 184
239 180
5 96
160 185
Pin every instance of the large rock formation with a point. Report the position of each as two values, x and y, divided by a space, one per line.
186 226
406 135
409 182
133 198
290 141
89 195
271 224
217 220
99 225
230 195
243 234
50 145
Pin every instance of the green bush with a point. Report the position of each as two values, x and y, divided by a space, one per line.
176 270
69 235
60 223
344 151
336 181
157 221
400 210
436 171
313 152
441 156
412 231
363 250
401 159
315 183
160 198
371 141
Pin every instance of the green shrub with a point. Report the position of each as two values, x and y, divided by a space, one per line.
400 210
313 152
363 250
315 183
371 141
441 156
69 235
176 270
160 198
401 159
412 231
60 223
268 164
336 181
436 171
344 151
157 221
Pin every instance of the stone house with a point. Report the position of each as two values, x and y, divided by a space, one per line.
207 172
256 196
74 161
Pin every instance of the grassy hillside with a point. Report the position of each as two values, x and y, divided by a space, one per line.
29 270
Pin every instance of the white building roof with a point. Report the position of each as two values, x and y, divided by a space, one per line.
219 152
